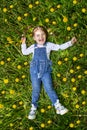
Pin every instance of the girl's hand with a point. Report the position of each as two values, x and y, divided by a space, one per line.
23 39
73 40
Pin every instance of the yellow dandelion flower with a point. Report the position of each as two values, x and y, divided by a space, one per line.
71 125
34 18
19 67
20 103
2 62
58 75
71 71
85 72
19 18
14 106
3 92
4 10
11 6
78 121
9 59
47 20
25 63
37 2
74 1
68 28
30 6
83 92
42 110
65 19
49 121
79 76
73 80
31 128
11 124
6 81
26 14
17 80
6 20
12 91
84 102
54 22
74 88
74 58
23 76
49 107
77 106
75 24
78 67
1 106
66 59
81 55
59 62
58 6
42 125
52 9
64 79
83 10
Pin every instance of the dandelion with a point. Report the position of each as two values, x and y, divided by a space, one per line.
9 59
71 71
83 92
12 91
49 107
54 22
3 92
17 80
85 72
31 128
51 9
6 81
65 19
6 20
14 106
78 67
79 76
23 76
58 75
64 79
59 62
34 18
75 24
20 103
74 58
58 6
74 88
11 6
1 106
4 10
78 121
42 110
2 62
71 125
49 121
19 67
68 28
42 125
11 124
84 102
47 20
77 106
19 18
73 80
66 59
83 10
37 2
25 63
26 14
30 6
74 1
81 55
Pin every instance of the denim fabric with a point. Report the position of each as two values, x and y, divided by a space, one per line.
40 70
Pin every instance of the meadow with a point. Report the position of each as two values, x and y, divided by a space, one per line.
63 20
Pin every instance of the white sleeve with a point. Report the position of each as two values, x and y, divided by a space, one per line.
56 47
25 50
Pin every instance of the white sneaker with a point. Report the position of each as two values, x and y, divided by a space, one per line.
32 113
60 109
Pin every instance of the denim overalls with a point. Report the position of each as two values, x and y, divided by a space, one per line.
40 70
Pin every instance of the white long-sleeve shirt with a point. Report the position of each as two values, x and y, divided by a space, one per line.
49 47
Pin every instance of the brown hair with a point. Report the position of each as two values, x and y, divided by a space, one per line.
42 28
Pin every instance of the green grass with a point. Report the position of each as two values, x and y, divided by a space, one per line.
69 77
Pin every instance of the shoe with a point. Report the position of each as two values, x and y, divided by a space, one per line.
60 109
32 113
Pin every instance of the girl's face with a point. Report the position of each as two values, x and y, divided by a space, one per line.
39 36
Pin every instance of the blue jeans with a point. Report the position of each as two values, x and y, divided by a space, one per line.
47 83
